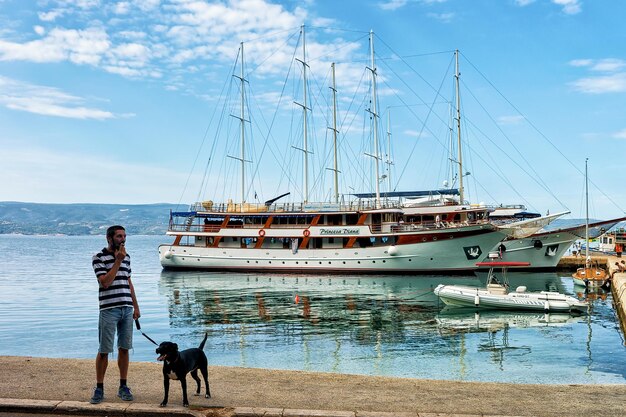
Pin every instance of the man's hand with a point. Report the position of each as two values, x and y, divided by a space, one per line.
120 254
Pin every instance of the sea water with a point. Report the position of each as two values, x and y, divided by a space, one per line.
355 324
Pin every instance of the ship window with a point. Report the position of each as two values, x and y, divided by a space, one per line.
352 219
333 219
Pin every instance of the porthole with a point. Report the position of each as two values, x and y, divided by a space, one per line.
423 239
434 238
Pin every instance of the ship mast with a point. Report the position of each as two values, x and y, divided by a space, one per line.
374 112
458 125
388 161
334 129
586 215
304 118
242 120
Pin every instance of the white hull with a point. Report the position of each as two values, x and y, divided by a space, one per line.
450 251
543 255
463 296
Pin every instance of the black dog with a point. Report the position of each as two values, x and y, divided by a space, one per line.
176 365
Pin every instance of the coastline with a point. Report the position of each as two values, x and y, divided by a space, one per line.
30 378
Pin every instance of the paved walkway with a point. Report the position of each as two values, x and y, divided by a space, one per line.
65 386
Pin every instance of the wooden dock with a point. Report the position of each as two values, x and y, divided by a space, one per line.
570 263
618 285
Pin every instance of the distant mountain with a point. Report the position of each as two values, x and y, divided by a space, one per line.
83 219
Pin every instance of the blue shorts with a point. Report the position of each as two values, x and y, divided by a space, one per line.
114 319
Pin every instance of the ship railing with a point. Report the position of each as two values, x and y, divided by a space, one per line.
375 228
352 206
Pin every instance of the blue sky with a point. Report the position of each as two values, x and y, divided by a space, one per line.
116 101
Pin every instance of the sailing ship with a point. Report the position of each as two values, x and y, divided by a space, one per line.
543 249
589 274
371 234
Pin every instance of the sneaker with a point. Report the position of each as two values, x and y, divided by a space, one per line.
98 396
124 393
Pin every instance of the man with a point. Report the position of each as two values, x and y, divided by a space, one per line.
118 309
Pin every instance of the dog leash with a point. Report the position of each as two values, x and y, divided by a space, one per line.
145 335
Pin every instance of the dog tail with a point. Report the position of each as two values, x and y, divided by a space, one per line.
201 347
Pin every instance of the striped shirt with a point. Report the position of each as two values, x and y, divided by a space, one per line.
118 293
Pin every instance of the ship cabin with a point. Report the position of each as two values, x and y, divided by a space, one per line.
314 225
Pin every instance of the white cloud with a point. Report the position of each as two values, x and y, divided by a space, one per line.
510 120
609 65
154 39
620 135
614 80
46 101
122 7
78 46
134 53
615 83
443 17
581 62
393 4
569 6
148 5
51 15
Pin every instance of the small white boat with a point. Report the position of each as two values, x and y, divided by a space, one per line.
496 295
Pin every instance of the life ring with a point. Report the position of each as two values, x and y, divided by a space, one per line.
261 233
306 233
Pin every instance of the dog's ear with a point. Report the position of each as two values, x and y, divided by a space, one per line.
175 346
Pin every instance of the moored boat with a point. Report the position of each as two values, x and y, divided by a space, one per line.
544 249
589 274
358 238
496 295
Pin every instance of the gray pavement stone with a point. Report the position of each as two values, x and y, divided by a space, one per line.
447 415
317 413
385 414
142 410
252 412
81 407
273 412
40 406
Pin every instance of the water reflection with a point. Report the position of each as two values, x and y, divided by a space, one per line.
381 325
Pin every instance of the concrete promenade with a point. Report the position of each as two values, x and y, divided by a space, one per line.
64 386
